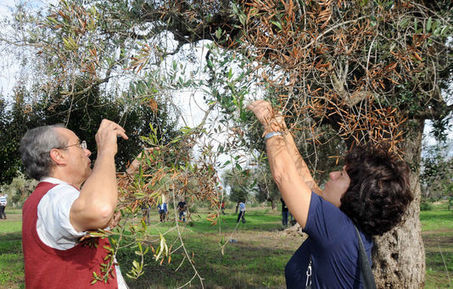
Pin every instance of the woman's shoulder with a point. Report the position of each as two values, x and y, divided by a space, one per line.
325 221
320 208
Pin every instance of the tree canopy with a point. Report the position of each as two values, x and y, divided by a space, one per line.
82 114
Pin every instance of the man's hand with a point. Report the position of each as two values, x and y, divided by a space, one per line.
106 137
134 166
94 207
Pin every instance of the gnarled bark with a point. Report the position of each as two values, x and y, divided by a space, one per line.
399 255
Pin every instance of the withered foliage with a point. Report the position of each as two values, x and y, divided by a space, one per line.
363 67
170 171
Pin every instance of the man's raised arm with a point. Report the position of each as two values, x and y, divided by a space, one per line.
99 195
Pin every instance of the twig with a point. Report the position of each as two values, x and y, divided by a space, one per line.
330 29
445 264
196 274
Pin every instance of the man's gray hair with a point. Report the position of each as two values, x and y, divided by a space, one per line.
35 149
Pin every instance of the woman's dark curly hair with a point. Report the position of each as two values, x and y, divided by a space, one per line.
379 192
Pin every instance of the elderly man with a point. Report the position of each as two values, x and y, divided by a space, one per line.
60 210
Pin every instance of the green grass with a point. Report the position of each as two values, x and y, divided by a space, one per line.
242 265
437 235
11 258
436 220
255 259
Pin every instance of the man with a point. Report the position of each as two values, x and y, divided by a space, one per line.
182 206
222 207
284 213
3 203
146 208
163 211
60 211
241 212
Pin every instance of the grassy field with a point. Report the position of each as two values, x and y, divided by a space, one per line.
11 258
254 256
437 235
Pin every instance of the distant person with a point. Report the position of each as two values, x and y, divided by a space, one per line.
163 211
292 222
182 207
367 197
284 213
70 200
146 208
3 203
222 207
241 215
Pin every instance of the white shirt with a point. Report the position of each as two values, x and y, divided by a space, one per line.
53 224
3 200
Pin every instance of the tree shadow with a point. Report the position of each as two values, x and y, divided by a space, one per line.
245 265
11 243
11 261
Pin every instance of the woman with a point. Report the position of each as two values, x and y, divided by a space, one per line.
371 193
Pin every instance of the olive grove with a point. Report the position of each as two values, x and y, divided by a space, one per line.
341 72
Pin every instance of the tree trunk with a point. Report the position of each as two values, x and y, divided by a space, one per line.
399 255
273 204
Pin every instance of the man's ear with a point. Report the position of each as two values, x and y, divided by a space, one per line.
57 157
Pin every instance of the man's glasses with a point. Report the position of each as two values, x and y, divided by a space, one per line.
82 145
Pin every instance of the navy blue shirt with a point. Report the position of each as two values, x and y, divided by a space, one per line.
333 246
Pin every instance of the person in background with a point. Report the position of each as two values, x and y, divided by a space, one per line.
70 200
3 203
367 197
241 215
163 211
182 207
284 213
222 207
146 208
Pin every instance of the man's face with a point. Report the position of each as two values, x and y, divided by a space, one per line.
78 161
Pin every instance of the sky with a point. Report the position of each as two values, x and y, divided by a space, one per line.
6 6
190 102
9 68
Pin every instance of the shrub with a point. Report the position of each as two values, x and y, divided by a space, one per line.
425 206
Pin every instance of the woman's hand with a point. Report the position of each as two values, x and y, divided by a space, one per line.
262 110
267 116
283 155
